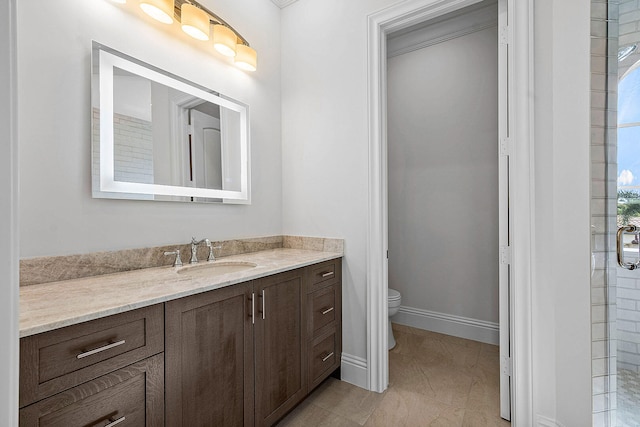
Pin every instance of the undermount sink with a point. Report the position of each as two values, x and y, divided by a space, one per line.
216 268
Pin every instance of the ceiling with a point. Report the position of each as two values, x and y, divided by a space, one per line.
282 3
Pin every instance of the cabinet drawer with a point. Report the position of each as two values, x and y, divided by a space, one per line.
324 357
323 308
323 274
132 396
57 360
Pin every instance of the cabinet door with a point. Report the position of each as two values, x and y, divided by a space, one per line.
131 396
209 359
279 339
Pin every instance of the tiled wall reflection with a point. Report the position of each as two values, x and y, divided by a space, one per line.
604 47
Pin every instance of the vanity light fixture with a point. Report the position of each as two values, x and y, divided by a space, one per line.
246 57
160 10
196 21
224 40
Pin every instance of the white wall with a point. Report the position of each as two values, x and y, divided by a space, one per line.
58 215
443 175
325 187
325 140
131 96
561 293
8 218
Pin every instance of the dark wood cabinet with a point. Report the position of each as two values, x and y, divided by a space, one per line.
324 320
323 274
242 355
131 396
104 372
247 354
209 351
279 338
63 358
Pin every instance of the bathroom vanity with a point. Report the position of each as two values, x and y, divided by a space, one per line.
165 346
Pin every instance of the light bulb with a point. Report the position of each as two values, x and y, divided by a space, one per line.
160 10
224 40
246 58
195 22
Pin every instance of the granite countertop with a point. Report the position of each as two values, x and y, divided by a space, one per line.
49 306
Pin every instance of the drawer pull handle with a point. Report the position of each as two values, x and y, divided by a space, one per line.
100 349
328 310
327 274
324 359
114 422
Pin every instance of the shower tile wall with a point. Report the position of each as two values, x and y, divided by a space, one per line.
604 46
628 320
629 22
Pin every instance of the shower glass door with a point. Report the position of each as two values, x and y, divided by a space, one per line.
627 313
624 282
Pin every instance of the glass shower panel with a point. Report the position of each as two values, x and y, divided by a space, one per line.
627 307
615 165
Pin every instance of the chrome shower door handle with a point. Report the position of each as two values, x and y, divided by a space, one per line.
620 247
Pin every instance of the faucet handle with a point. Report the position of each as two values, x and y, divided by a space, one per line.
211 248
178 261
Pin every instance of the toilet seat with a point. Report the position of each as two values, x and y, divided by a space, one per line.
393 295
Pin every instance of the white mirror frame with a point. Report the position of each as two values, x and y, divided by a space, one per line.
108 184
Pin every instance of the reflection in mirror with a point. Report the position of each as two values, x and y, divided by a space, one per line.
158 137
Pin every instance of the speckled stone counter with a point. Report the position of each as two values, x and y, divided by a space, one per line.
49 306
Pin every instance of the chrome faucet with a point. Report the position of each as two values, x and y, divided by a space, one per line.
194 249
211 248
178 261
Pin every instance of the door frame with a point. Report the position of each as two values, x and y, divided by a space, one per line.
520 111
9 244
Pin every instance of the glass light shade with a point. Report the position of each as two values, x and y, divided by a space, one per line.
246 57
224 40
195 22
160 10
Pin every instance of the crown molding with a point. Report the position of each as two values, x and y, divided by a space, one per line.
283 3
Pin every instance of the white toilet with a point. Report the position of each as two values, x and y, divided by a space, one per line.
394 299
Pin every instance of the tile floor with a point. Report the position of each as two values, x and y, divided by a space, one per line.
434 380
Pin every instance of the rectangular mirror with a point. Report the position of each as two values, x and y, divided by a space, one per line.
156 136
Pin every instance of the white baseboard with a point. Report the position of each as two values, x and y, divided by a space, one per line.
546 422
354 370
458 326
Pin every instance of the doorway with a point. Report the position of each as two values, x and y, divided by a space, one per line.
443 192
516 105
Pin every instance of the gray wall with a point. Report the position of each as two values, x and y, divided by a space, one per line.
8 217
443 175
57 214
